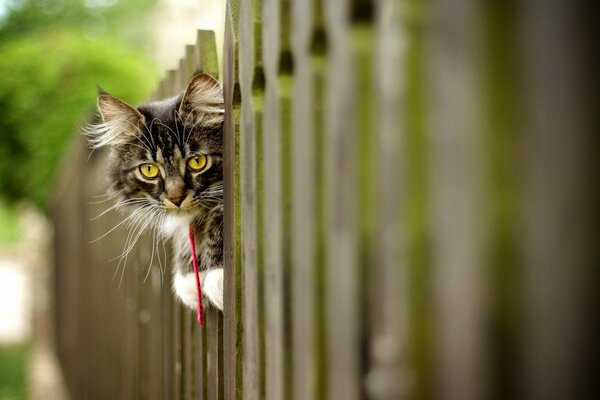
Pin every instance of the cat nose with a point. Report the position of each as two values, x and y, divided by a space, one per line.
175 190
176 200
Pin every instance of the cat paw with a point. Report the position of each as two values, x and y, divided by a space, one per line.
213 287
184 286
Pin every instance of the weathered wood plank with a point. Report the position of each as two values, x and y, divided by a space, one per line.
273 246
303 206
199 364
154 325
207 49
189 324
341 193
166 339
192 59
560 200
248 189
231 218
390 377
212 352
177 350
456 214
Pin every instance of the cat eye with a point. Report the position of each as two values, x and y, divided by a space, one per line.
197 163
149 170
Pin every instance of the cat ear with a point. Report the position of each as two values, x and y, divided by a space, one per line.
115 110
202 101
121 122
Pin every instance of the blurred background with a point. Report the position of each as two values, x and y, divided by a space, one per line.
53 53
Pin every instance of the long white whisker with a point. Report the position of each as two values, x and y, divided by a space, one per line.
128 202
128 218
132 239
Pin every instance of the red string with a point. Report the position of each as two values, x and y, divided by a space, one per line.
196 274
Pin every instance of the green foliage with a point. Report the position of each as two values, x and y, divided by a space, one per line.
9 223
53 54
47 86
91 18
12 378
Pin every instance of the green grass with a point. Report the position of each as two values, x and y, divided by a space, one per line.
13 371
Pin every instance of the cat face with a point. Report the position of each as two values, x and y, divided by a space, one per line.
166 155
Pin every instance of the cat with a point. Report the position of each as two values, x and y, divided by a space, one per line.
166 163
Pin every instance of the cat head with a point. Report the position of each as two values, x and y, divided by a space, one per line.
166 156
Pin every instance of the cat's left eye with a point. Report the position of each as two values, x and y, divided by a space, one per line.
198 163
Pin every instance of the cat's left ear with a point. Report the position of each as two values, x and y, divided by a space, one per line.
202 101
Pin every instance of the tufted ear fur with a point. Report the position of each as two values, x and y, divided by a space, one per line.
202 101
121 122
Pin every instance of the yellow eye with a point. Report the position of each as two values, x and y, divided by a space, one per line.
149 170
197 163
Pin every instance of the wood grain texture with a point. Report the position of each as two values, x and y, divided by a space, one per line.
273 246
456 202
213 343
248 188
342 295
390 375
230 183
199 364
303 201
207 47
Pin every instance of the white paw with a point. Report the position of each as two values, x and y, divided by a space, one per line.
184 286
212 288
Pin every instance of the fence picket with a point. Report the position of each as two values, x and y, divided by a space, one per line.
248 192
231 221
304 200
458 264
272 208
341 193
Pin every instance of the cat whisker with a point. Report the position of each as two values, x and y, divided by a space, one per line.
101 201
182 140
139 131
154 246
133 237
149 130
208 110
158 242
151 256
128 218
136 232
192 128
127 202
105 195
179 138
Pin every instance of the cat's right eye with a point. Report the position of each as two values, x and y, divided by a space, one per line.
149 170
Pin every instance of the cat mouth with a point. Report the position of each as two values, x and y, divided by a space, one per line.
182 210
178 203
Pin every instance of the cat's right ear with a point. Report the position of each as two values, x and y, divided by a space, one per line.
121 122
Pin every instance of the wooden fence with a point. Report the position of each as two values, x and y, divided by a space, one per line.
408 214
